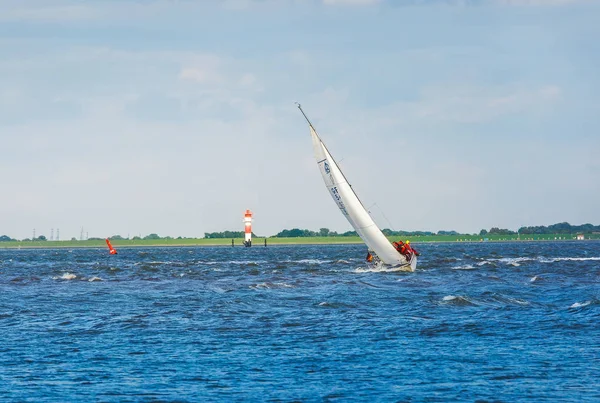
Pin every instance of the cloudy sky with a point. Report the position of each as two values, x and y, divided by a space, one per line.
173 117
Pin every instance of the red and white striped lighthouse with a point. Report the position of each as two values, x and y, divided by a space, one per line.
248 228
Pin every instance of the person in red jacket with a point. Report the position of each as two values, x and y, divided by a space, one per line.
408 251
398 245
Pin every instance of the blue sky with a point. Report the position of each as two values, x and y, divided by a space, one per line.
173 117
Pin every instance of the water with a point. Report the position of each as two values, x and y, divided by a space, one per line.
502 322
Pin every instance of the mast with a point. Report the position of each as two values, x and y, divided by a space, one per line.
334 161
305 117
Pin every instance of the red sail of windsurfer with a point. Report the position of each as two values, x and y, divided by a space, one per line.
112 250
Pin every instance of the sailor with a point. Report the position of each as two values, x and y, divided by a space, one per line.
369 257
398 245
407 250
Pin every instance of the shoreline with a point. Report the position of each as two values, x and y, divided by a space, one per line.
260 242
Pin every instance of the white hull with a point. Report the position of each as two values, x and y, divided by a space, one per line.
407 266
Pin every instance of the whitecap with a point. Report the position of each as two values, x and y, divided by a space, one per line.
517 301
513 261
95 279
65 276
457 300
381 269
580 304
314 261
566 259
465 267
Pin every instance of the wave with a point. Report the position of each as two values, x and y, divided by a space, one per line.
380 269
592 302
566 259
336 305
457 300
270 285
66 276
517 261
464 267
510 300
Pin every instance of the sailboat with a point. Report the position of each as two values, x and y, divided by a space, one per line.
353 209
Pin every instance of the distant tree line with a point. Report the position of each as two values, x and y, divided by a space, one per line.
226 234
323 232
496 231
300 233
559 228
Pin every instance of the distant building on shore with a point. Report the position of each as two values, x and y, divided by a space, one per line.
580 237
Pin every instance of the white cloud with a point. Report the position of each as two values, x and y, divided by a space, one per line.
48 13
181 142
542 2
351 2
200 75
480 104
248 80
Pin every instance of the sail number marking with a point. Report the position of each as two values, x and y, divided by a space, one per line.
338 200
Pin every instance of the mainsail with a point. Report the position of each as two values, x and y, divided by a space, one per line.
351 206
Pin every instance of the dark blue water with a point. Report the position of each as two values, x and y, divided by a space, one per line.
502 322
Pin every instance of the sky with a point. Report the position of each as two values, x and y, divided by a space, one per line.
174 117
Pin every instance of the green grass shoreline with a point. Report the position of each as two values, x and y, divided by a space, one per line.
283 241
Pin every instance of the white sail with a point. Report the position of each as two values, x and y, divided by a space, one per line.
352 208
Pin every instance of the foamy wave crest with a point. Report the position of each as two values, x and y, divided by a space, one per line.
313 261
457 300
65 276
514 261
566 259
381 268
464 267
510 300
268 285
152 263
95 279
580 304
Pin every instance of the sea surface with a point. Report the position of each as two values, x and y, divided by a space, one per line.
478 322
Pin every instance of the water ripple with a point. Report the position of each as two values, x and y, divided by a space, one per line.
476 322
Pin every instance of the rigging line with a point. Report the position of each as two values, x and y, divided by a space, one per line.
389 222
383 214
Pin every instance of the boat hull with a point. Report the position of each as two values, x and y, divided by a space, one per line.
408 266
